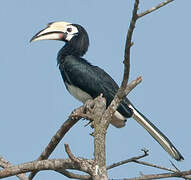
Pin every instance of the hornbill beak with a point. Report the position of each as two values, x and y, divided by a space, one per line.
53 31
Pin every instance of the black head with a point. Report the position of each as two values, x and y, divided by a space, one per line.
74 35
80 41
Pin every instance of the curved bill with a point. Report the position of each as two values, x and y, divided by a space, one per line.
53 31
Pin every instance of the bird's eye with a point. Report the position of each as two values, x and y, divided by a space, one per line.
69 29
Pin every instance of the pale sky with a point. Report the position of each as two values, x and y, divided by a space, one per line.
34 102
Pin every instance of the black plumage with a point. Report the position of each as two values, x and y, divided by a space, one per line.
85 81
91 79
79 72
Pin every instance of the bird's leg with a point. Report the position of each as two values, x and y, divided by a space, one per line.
88 109
84 112
88 106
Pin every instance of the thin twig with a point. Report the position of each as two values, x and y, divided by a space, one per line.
154 165
87 165
174 166
69 152
154 8
128 45
160 167
127 161
178 170
160 176
132 85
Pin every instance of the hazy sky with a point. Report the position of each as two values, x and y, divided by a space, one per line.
33 99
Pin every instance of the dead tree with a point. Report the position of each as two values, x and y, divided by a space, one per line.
96 112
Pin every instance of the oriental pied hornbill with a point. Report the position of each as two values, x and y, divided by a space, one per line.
85 81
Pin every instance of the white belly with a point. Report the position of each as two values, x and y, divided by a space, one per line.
118 120
78 93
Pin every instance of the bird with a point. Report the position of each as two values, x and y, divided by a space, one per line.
85 81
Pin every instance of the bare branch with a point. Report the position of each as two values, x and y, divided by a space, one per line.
174 166
73 175
128 160
154 8
99 140
100 128
66 126
50 164
154 165
71 156
160 176
160 167
62 164
128 45
132 85
102 119
86 164
178 170
5 164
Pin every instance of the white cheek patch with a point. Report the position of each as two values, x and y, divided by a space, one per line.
71 34
69 37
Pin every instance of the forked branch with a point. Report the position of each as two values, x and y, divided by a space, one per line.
154 8
66 126
6 164
104 117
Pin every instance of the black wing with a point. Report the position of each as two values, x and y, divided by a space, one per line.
93 80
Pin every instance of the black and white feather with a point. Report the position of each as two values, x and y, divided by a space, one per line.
85 81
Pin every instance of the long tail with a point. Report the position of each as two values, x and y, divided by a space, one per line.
156 134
